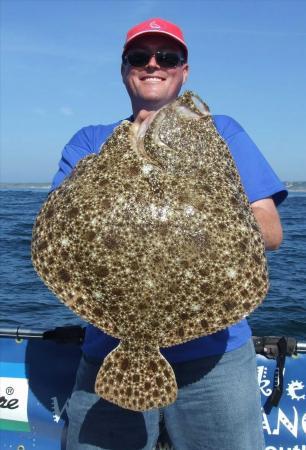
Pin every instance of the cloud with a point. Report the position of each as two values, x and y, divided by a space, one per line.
66 111
252 32
16 44
39 111
145 9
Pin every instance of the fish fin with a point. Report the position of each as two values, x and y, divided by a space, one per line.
136 378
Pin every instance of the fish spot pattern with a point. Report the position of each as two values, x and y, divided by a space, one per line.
153 241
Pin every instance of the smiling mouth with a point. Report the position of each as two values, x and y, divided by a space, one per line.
152 79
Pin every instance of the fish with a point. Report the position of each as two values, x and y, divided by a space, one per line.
153 240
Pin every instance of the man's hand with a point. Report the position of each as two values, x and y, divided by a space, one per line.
269 222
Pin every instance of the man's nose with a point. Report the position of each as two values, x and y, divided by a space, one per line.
152 62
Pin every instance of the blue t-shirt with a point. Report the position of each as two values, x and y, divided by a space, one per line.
259 182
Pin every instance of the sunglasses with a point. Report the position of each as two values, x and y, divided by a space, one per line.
164 58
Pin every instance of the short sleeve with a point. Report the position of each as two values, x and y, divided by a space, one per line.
79 146
257 176
87 140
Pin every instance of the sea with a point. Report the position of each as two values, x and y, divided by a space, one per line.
26 302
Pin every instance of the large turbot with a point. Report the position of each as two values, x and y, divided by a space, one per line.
154 242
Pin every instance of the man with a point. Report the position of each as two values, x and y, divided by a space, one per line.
218 404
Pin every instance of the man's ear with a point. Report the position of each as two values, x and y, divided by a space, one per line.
122 69
185 72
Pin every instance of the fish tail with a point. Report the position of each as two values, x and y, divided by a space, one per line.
136 378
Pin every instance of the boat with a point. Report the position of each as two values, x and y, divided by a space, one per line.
38 367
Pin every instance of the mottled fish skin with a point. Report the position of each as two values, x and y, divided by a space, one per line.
153 240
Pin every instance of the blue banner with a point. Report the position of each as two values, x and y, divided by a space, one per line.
36 379
37 376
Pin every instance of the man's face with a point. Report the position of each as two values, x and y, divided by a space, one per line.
152 86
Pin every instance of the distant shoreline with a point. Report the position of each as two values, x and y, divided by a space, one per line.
292 186
24 186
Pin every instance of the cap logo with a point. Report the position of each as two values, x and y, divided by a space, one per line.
154 25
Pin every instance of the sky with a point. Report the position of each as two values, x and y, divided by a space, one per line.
60 71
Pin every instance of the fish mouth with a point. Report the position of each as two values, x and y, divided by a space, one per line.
192 108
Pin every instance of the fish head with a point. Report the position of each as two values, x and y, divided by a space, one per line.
172 137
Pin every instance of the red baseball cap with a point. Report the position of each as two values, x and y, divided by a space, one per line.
159 26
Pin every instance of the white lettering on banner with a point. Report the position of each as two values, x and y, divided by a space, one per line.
57 412
304 423
293 427
263 382
293 387
296 447
15 407
265 423
283 419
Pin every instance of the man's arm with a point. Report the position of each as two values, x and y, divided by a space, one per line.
269 222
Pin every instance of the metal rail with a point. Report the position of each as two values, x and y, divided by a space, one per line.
21 333
69 334
75 334
301 347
